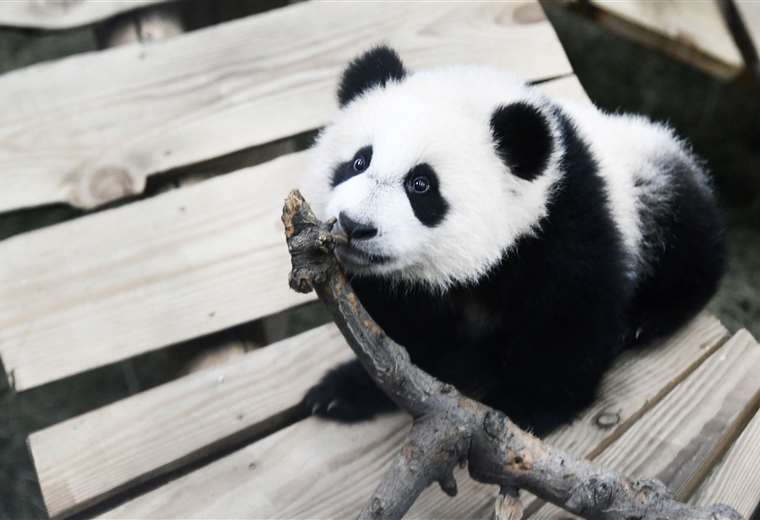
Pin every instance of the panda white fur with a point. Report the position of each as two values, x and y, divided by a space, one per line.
514 244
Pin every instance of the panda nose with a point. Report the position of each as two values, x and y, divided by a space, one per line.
356 230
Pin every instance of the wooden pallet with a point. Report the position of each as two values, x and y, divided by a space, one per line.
229 440
700 33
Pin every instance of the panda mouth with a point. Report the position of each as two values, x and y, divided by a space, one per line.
355 259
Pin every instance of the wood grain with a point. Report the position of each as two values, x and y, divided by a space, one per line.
635 385
149 108
749 10
736 480
677 439
114 284
64 14
338 466
696 25
152 273
86 459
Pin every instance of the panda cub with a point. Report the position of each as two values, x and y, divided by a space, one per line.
512 243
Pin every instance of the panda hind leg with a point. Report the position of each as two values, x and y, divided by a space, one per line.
542 408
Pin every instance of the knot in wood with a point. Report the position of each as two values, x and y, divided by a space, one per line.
495 424
376 507
528 13
91 188
645 488
595 494
607 419
519 461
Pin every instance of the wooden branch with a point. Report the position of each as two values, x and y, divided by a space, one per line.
451 429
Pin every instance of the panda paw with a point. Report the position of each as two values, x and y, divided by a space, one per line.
346 394
324 400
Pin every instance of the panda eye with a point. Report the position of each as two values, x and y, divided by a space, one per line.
360 163
420 185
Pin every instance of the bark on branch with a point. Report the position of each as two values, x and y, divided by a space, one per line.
450 429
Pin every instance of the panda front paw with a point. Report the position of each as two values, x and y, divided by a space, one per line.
346 394
325 400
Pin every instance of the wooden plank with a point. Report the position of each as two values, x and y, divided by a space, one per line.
157 430
338 466
681 437
565 89
749 10
64 14
313 469
696 25
114 284
121 282
636 383
736 480
146 109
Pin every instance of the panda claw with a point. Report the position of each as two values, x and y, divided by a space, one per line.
332 404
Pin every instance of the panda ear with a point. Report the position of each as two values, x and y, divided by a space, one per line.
523 138
373 68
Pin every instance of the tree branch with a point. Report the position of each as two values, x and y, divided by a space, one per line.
450 429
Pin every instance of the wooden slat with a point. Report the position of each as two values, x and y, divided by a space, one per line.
118 283
86 459
338 466
698 25
638 381
749 10
91 128
64 14
736 480
679 439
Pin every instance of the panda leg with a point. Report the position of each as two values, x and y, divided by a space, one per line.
347 394
541 409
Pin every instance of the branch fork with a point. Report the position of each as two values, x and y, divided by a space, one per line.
450 429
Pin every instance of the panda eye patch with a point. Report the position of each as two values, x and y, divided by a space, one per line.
423 191
358 164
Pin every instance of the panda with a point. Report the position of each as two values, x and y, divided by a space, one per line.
513 243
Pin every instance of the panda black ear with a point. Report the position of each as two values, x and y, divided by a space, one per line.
373 68
523 138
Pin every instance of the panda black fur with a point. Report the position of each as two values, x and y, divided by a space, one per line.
514 244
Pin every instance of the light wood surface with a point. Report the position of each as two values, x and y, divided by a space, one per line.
736 480
114 284
636 383
693 24
86 459
64 14
338 466
749 10
152 273
89 129
680 437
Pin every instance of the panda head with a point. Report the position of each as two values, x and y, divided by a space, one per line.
435 174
